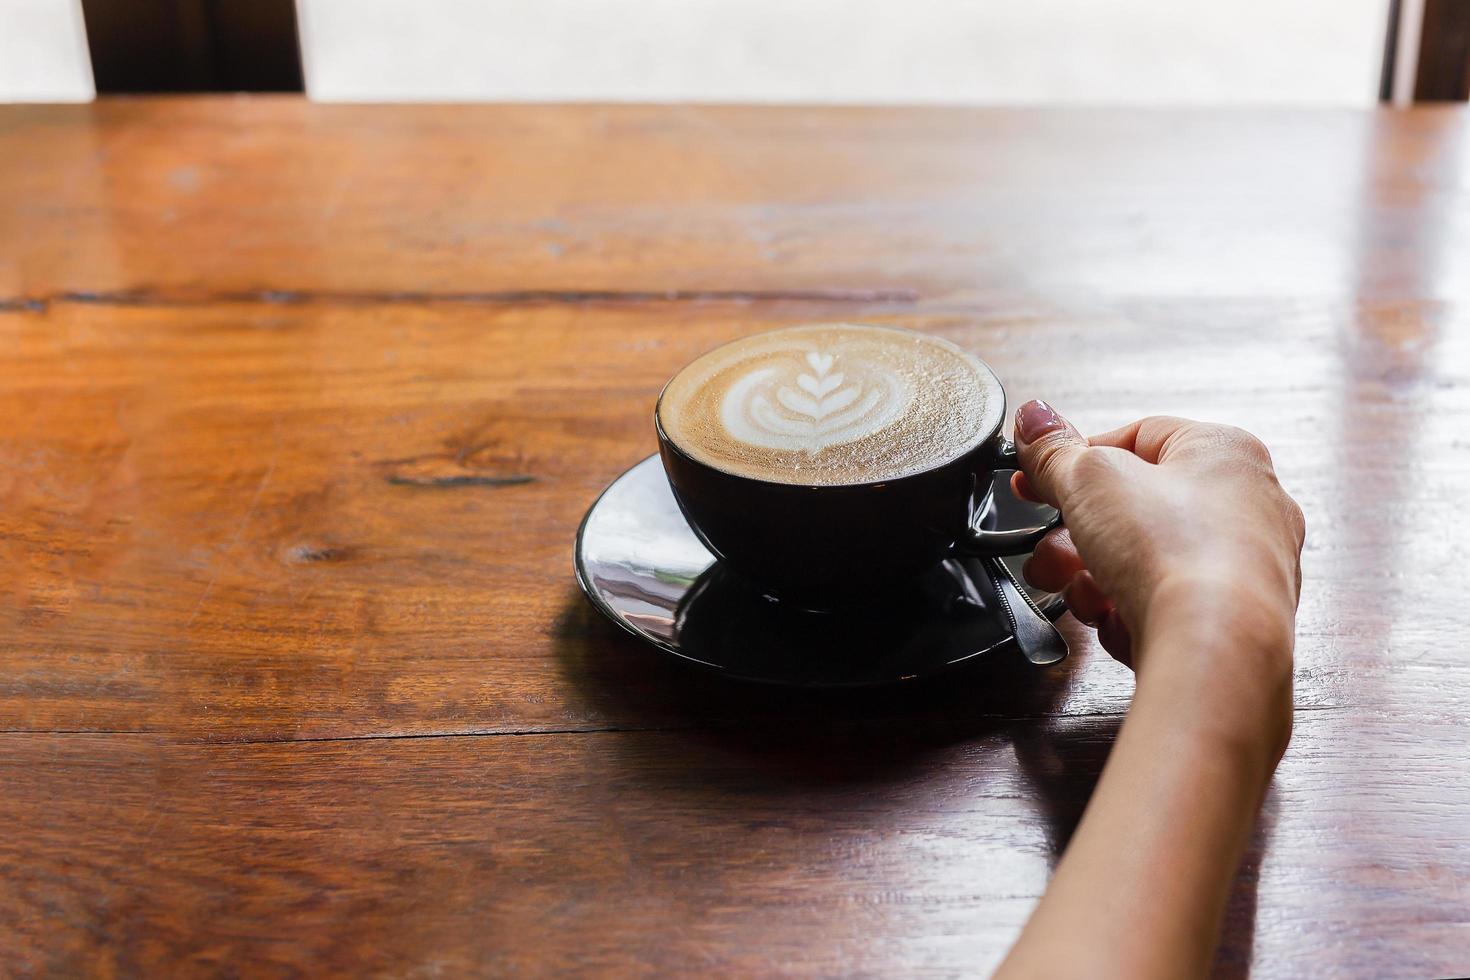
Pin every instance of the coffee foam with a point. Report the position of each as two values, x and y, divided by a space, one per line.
831 404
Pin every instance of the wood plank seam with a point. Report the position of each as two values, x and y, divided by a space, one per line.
500 297
174 737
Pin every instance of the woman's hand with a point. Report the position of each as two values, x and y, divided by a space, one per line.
1164 506
1183 549
1171 524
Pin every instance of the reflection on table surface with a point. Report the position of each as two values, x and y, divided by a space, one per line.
304 405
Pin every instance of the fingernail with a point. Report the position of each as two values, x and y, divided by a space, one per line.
1035 419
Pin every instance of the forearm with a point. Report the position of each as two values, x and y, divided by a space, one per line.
1141 888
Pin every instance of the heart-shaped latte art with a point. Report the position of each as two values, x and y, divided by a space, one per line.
807 405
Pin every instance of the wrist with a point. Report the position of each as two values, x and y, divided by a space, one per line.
1251 727
1214 662
1250 614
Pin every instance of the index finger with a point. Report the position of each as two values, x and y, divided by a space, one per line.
1151 439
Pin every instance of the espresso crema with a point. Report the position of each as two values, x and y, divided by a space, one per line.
831 404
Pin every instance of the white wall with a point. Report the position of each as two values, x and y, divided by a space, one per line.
43 52
1301 52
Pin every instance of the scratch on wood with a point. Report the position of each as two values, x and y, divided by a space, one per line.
80 731
459 480
401 736
315 553
23 304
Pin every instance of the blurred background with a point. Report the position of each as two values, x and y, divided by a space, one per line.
1120 52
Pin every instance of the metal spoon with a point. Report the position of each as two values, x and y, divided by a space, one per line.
1040 641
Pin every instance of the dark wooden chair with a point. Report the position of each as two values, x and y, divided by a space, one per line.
1426 52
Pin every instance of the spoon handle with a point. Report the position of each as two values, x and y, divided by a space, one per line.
1040 641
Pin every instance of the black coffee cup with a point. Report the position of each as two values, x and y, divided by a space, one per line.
830 545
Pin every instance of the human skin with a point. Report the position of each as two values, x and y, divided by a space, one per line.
1182 550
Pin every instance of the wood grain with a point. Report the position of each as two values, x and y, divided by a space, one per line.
274 197
820 846
303 404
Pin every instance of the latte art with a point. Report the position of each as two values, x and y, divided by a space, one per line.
820 406
831 404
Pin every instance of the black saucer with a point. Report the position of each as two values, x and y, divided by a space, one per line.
640 564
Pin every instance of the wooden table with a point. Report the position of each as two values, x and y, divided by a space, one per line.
302 405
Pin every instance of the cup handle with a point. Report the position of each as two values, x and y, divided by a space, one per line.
983 543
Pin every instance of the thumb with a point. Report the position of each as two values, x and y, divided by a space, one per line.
1048 446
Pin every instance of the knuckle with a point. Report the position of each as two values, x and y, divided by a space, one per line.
1164 431
1096 462
1244 444
1252 447
1165 423
1298 522
1215 443
1248 445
